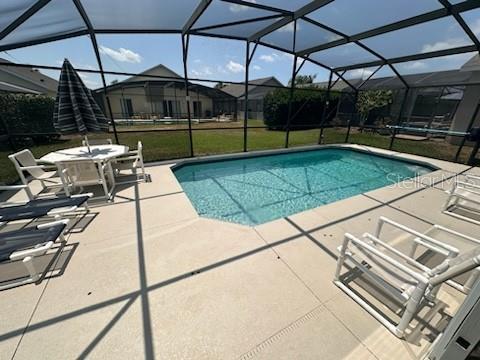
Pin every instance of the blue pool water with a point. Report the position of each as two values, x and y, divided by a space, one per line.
256 190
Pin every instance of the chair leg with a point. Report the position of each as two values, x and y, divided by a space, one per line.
143 172
411 308
28 262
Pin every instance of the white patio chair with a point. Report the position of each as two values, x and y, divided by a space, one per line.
464 200
409 282
48 175
442 242
97 142
88 173
132 161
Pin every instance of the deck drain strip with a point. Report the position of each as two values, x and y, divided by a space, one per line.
315 313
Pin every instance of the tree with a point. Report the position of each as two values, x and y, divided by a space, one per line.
303 79
219 85
373 100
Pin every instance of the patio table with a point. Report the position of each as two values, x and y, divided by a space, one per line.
101 154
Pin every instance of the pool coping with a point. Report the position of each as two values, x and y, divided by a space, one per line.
264 153
435 165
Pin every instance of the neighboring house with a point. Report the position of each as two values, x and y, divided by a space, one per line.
452 95
25 80
257 90
159 93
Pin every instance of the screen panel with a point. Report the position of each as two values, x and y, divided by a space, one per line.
219 12
56 18
139 14
10 10
343 55
353 16
432 36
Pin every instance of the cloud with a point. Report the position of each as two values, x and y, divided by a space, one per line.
442 45
256 67
238 8
359 73
204 71
476 27
92 84
290 27
122 54
267 58
235 67
415 65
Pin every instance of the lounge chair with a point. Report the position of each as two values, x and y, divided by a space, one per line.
48 175
33 209
406 280
26 244
464 200
132 161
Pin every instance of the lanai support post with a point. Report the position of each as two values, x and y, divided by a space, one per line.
400 114
245 97
351 117
187 92
325 108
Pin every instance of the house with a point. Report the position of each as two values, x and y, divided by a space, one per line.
25 80
159 93
257 90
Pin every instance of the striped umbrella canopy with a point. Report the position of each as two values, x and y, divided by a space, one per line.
76 111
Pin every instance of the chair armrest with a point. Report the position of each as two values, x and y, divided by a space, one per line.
394 251
456 233
53 223
43 167
472 177
374 251
428 241
133 157
81 195
468 186
62 210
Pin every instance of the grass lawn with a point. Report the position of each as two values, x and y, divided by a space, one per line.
170 145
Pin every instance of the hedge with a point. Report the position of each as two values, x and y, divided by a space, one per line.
27 114
307 105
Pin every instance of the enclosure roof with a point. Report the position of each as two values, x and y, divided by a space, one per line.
423 80
336 34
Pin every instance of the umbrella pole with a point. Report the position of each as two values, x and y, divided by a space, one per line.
86 143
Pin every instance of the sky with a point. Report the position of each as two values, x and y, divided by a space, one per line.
224 60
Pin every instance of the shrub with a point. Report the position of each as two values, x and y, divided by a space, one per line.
307 105
27 114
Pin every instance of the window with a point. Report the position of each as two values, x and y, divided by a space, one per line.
197 108
127 107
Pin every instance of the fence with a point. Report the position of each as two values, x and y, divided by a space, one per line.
277 117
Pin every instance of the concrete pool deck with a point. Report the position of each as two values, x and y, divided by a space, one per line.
146 277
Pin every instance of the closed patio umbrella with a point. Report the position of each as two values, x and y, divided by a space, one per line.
76 111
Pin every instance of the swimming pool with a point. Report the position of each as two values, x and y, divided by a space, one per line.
259 189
